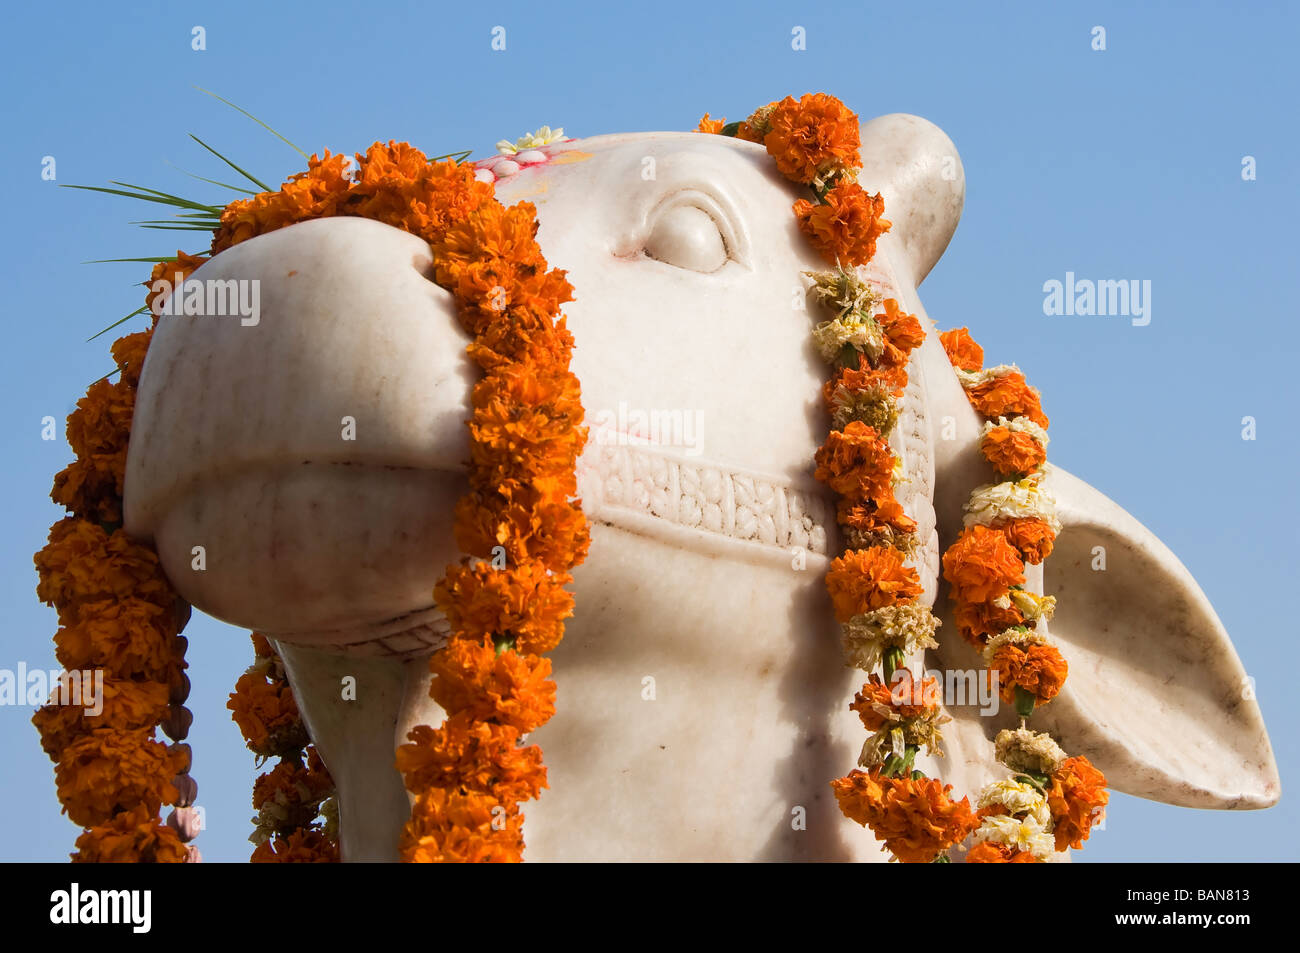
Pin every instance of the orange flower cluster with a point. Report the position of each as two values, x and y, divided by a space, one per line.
1036 669
814 141
812 138
915 818
984 565
1012 452
300 847
986 562
987 852
844 225
289 798
864 579
119 628
906 699
526 433
1076 799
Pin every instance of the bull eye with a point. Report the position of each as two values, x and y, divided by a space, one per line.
687 236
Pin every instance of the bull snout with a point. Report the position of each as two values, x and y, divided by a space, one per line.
297 467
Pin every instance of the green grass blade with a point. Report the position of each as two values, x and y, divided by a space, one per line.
106 261
104 378
256 120
175 199
140 310
171 227
224 185
251 178
173 202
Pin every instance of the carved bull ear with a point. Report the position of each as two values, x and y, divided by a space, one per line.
914 163
1156 696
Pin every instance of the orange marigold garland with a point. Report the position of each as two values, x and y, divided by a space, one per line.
119 637
526 434
867 342
297 813
814 142
1052 802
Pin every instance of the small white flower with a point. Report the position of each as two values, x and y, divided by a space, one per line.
974 378
906 625
542 137
865 336
1017 797
1012 637
1026 498
1027 835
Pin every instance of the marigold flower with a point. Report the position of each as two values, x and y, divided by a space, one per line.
494 233
708 125
865 579
843 228
267 715
1077 800
129 353
102 421
864 377
288 797
127 706
527 525
988 852
505 342
127 638
472 755
1011 451
130 837
962 350
978 620
455 827
91 487
1032 537
111 770
183 264
300 847
524 602
317 193
813 137
981 565
1038 669
397 184
903 329
857 463
878 705
916 819
514 689
83 564
1006 395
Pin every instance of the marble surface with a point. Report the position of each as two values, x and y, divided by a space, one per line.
702 691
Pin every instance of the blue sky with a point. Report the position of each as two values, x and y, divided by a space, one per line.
1123 163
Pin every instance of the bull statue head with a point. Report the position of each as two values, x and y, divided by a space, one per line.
703 692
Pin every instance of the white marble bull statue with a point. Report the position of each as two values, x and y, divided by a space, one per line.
702 690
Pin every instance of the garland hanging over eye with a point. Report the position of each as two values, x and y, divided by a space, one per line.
1052 804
